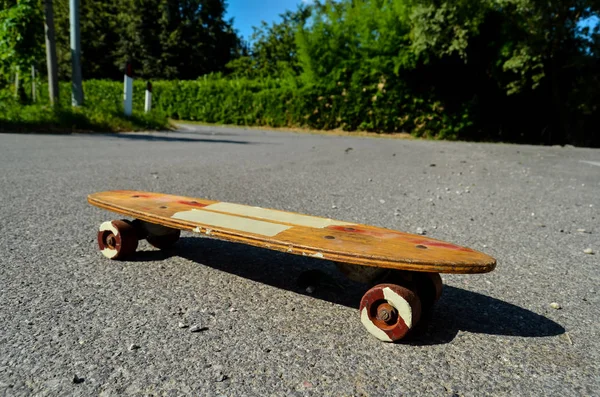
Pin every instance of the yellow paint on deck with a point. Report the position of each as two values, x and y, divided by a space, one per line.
231 222
275 215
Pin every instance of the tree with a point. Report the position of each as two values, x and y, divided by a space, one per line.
536 52
179 39
21 35
175 39
273 51
99 38
362 37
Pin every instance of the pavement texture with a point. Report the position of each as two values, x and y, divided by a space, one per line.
75 323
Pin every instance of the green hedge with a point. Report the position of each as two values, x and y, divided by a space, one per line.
101 114
285 103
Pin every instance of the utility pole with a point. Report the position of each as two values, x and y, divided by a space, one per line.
33 83
17 83
77 89
51 53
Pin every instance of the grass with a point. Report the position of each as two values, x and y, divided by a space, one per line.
16 117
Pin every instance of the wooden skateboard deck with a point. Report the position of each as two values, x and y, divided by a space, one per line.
407 266
296 233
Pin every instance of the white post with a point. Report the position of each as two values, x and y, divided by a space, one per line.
148 105
128 91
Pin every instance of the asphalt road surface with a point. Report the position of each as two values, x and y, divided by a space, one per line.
74 323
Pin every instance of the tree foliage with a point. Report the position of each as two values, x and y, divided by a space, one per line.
180 39
100 34
517 70
175 39
273 52
21 35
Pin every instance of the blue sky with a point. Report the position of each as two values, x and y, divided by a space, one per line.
248 13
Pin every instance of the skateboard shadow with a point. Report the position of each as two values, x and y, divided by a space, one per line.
462 310
457 310
205 133
163 137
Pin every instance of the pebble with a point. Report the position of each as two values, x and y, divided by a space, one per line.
588 251
198 328
77 380
182 325
382 201
555 305
133 346
219 376
307 385
421 231
334 206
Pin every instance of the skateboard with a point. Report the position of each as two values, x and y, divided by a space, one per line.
401 269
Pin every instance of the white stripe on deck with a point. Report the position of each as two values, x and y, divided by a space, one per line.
207 218
275 216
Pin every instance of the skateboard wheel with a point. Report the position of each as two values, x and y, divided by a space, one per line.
389 311
164 241
117 239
